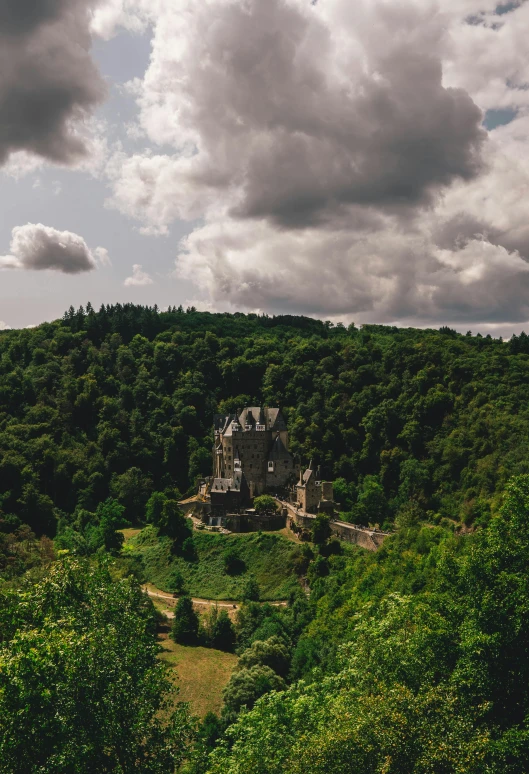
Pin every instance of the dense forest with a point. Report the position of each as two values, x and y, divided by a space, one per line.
411 660
119 403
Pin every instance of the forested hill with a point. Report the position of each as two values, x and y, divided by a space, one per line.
120 403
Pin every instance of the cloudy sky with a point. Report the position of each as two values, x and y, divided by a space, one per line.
363 161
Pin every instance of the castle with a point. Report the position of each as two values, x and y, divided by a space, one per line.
251 457
253 443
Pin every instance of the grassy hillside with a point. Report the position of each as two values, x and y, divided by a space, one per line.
265 556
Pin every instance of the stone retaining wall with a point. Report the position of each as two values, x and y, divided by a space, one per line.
369 539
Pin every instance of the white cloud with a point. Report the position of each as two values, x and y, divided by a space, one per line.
37 247
139 277
132 15
355 182
4 326
102 257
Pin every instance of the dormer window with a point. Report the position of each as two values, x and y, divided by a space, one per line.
260 427
235 426
247 427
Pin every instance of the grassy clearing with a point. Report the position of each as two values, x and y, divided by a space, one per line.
129 533
201 674
267 556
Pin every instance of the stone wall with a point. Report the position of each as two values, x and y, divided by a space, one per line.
242 522
365 538
281 474
369 539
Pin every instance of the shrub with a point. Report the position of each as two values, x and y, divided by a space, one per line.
233 564
248 685
271 653
251 591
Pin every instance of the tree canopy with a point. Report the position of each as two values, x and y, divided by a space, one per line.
119 404
81 688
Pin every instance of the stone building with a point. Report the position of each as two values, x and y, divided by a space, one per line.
313 495
254 442
228 495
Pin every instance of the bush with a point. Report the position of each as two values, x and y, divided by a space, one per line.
233 564
331 548
272 653
175 582
189 550
301 559
251 591
248 685
321 530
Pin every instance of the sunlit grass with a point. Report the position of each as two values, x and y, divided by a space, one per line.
201 674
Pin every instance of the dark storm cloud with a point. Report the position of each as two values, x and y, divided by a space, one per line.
290 124
20 16
504 8
400 138
456 232
47 77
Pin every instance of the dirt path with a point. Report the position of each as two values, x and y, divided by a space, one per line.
200 603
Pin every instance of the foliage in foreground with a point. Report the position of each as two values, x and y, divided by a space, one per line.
432 683
81 688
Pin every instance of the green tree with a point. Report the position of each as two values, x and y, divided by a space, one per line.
133 489
248 685
110 517
173 523
233 564
176 582
251 591
372 506
321 529
80 678
154 508
185 623
223 636
265 504
272 653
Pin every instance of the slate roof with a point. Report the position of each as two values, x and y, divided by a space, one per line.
306 477
223 485
270 417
